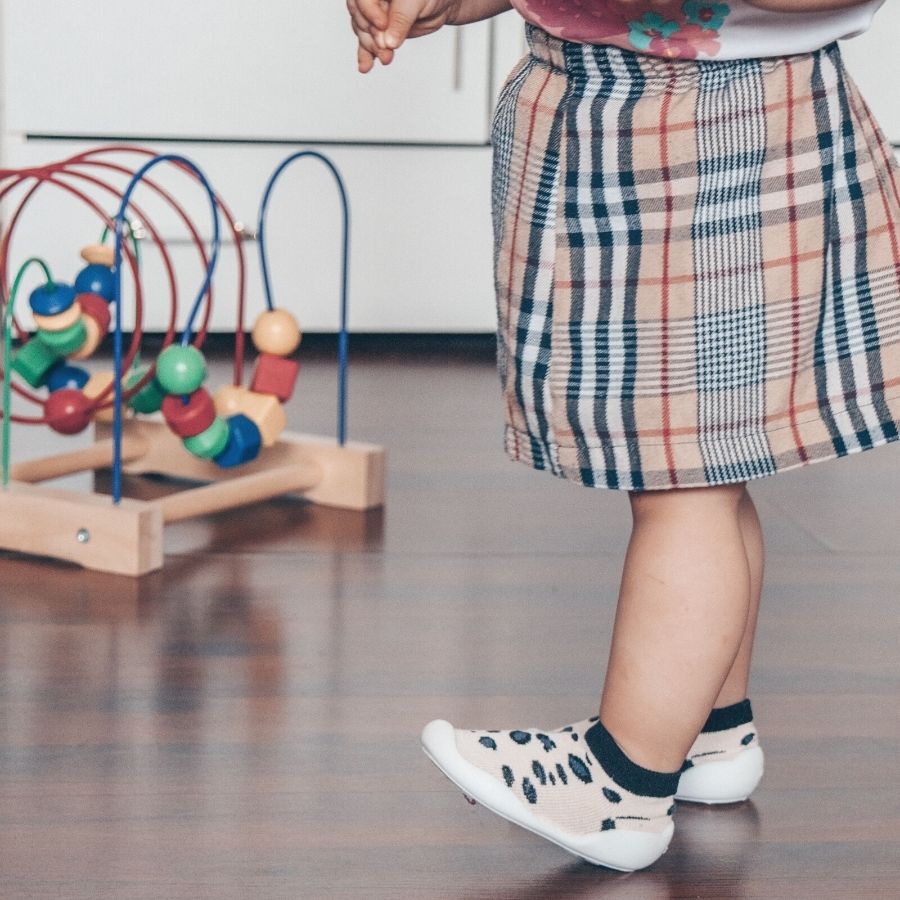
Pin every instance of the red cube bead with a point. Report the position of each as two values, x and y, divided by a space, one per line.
275 375
191 418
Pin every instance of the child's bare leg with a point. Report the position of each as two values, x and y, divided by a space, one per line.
735 688
606 789
682 614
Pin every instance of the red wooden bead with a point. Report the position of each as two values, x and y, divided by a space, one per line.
97 308
275 375
68 411
189 419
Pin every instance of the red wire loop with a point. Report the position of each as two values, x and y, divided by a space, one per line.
60 175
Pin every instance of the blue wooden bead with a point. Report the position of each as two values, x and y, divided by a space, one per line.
65 377
96 279
48 300
244 441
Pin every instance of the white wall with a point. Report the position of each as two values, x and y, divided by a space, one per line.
413 144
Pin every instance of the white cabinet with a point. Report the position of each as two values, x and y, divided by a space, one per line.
871 59
236 87
228 69
421 247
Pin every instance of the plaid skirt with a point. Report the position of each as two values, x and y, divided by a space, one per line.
697 266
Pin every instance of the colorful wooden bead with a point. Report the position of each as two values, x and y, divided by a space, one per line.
95 388
276 331
190 418
94 335
267 413
181 370
61 321
63 377
51 300
68 411
275 375
243 445
67 341
34 362
229 400
95 279
150 397
99 255
97 308
211 442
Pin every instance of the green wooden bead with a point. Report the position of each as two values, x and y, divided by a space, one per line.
211 442
180 370
66 341
34 362
150 397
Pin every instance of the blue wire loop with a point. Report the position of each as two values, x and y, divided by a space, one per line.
121 223
345 259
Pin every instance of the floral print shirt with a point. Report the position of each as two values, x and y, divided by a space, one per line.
695 29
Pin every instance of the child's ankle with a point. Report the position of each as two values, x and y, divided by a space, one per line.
727 732
652 791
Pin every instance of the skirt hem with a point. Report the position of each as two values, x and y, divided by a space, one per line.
542 456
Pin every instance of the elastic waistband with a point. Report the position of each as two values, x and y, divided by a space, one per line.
621 68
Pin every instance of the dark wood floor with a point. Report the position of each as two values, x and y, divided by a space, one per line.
244 724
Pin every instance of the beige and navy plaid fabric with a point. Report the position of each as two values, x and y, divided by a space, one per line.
697 266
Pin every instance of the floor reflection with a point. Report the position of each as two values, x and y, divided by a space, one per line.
719 841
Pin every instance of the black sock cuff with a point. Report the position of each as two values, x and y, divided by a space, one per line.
623 771
726 717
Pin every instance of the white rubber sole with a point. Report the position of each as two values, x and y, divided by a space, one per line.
727 781
623 850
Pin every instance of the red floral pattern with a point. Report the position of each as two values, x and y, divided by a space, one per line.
686 43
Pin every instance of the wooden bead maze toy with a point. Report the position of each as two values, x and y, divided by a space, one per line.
158 418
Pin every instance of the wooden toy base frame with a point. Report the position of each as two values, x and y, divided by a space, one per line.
127 539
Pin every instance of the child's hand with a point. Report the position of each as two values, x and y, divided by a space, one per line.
368 18
381 26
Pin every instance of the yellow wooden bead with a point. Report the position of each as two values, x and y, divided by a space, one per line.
267 414
61 321
97 383
276 331
265 410
94 336
99 255
229 400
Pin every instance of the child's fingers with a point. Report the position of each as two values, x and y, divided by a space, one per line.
373 11
402 15
367 43
364 59
359 22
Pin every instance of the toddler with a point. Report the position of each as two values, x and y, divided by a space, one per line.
697 272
